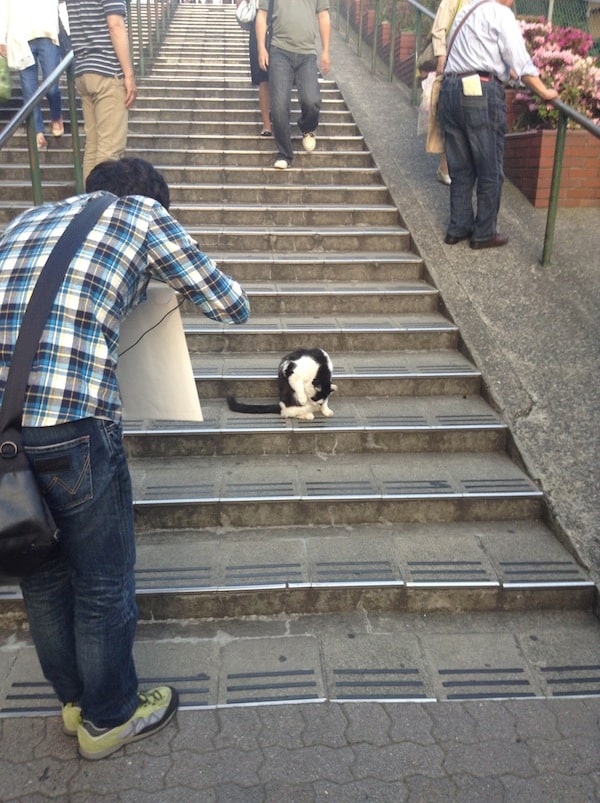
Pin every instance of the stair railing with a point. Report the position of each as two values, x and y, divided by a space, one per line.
566 113
159 15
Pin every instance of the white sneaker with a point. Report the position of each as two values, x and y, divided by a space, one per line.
281 164
309 142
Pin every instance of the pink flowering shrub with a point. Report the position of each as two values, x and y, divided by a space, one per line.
561 56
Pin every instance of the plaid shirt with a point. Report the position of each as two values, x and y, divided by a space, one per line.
135 240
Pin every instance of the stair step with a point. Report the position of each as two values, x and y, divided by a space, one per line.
240 111
282 214
213 175
359 425
391 374
241 197
192 126
410 567
343 332
281 297
186 492
314 266
399 657
291 239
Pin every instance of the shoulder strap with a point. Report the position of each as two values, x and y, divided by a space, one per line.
39 306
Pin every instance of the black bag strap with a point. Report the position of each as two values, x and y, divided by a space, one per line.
39 306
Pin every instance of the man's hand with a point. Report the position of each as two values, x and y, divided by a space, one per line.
260 26
324 32
130 90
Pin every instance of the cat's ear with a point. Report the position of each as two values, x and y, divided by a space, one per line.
333 387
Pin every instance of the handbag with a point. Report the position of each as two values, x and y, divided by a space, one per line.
435 137
29 536
426 61
5 81
245 14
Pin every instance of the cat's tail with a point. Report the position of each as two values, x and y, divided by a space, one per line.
240 407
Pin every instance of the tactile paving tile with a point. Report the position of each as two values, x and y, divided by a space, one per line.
264 575
378 684
485 683
499 485
179 577
355 572
448 572
572 680
555 572
418 488
286 685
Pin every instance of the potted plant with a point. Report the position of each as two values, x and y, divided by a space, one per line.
562 57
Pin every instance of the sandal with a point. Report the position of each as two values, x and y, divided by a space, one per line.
266 133
41 142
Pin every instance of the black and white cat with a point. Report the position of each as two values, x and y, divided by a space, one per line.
304 387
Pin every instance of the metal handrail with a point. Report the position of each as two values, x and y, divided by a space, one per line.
566 113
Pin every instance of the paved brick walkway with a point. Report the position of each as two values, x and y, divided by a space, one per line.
481 752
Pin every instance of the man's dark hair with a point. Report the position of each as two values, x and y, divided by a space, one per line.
129 177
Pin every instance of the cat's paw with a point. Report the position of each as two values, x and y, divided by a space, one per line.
307 416
327 412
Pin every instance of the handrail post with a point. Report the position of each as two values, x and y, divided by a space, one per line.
360 29
140 38
561 136
415 81
375 30
392 41
34 162
75 143
347 37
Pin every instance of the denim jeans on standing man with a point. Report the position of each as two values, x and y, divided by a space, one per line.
474 128
285 70
47 55
81 608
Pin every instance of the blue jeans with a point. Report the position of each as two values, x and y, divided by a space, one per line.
81 607
47 56
285 70
474 129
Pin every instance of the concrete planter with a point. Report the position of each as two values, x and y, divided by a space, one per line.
528 161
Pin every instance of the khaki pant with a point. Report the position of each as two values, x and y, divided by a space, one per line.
105 118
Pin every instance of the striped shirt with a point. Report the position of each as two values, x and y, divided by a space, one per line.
135 240
90 39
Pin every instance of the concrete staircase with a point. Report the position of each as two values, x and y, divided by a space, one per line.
396 551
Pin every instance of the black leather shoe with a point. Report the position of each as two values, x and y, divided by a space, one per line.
494 242
450 240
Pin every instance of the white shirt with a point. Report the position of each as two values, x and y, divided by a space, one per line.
489 41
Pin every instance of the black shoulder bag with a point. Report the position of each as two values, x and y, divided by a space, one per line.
28 534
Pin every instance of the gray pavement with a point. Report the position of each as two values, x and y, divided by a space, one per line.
533 332
478 752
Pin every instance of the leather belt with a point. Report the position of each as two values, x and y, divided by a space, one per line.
485 76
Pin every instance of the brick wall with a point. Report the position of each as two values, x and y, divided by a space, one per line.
528 161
